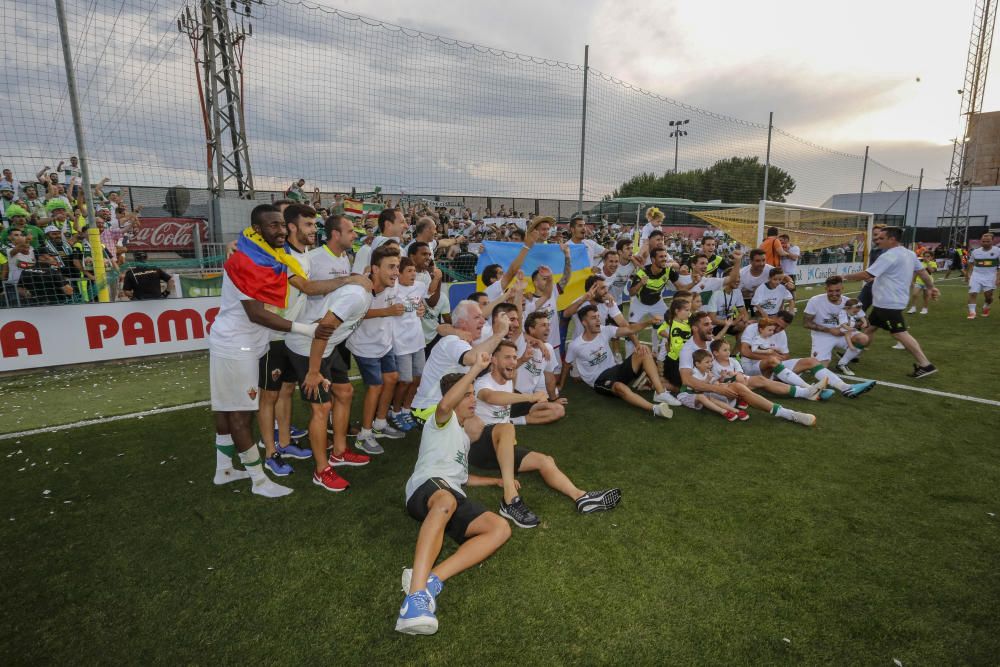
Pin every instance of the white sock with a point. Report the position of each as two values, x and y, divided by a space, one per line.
406 411
972 307
364 433
850 355
788 376
379 424
783 413
832 378
798 392
519 421
251 461
224 450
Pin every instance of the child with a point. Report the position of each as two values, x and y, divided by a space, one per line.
764 341
851 321
725 369
434 496
676 330
696 400
407 343
919 288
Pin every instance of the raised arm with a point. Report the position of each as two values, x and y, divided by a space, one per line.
567 268
321 287
490 344
446 406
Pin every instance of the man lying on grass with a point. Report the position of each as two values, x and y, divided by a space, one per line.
434 496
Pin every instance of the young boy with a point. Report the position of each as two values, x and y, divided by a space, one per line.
434 496
919 288
696 400
852 322
407 343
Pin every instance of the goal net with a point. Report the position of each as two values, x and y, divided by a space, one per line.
808 227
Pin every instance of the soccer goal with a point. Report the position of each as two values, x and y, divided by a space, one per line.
811 228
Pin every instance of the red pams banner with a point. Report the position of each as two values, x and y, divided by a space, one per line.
167 234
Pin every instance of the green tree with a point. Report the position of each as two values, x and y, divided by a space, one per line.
736 180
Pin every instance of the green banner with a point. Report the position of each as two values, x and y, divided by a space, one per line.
205 286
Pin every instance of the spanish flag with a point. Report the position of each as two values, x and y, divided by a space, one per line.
260 271
541 254
354 207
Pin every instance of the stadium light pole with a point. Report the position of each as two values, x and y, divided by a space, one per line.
676 136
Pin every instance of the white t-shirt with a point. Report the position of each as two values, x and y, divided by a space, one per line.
769 300
848 322
349 304
433 244
604 311
893 271
18 262
779 340
233 335
789 265
750 283
647 229
324 265
296 299
363 260
531 374
618 282
446 357
594 250
374 339
725 304
706 284
824 313
990 260
432 315
720 371
551 310
489 413
592 357
494 290
686 358
407 332
444 453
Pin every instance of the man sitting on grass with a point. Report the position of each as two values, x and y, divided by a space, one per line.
434 496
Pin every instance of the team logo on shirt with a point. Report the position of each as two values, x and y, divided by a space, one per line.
252 393
598 357
460 457
275 374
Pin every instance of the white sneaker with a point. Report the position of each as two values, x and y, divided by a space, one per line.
815 389
844 370
912 310
923 311
898 346
666 397
663 410
804 418
227 475
269 489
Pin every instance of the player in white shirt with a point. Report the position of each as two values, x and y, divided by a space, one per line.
578 236
539 363
240 335
618 284
772 296
599 296
594 361
893 273
753 275
391 225
407 343
435 497
824 319
698 399
790 260
982 274
853 322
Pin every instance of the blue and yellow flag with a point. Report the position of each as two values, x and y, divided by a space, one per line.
260 271
541 254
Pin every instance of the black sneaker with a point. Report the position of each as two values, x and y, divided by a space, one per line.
519 513
923 371
598 501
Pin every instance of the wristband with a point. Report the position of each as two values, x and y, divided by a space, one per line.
304 329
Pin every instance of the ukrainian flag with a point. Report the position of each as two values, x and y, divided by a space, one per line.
260 271
541 254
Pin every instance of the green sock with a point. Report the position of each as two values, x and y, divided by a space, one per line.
251 461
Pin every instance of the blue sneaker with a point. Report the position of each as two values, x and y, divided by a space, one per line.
860 388
416 616
296 433
434 585
826 394
293 451
397 420
277 465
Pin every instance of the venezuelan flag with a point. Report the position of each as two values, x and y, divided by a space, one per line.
541 254
260 271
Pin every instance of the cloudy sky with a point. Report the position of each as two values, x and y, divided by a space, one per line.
344 103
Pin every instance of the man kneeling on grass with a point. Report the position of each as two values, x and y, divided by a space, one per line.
494 445
435 497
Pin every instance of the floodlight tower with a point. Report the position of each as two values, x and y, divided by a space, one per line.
963 157
217 39
676 136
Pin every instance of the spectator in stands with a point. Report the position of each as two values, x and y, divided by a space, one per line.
295 191
20 256
33 203
143 280
19 220
56 246
8 180
6 199
71 172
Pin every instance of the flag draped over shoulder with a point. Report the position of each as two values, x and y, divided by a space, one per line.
541 254
260 271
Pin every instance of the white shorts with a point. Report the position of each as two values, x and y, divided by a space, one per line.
981 285
823 345
688 400
233 384
750 366
637 311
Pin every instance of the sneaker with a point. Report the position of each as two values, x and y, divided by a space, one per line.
269 489
912 310
898 346
922 371
663 410
388 432
416 616
730 415
598 501
349 458
971 315
743 415
330 480
397 421
369 445
986 311
434 585
815 389
293 431
860 388
666 397
827 394
804 418
277 465
519 513
408 418
844 370
923 311
742 405
293 451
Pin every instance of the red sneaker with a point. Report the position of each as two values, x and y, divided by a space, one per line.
349 458
730 416
330 480
742 405
986 311
743 415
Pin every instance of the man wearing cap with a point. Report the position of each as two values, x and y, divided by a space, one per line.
19 220
61 251
142 280
6 199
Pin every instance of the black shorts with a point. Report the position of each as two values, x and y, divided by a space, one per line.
672 371
890 320
482 454
275 368
334 368
465 513
623 373
520 409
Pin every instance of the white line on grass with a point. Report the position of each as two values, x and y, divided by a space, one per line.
922 390
936 283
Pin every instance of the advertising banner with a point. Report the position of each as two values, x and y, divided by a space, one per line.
168 234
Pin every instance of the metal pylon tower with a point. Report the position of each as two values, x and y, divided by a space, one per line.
217 33
963 157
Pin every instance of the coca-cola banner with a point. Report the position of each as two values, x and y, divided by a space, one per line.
168 234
